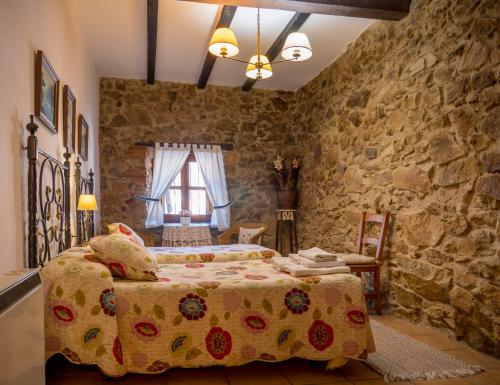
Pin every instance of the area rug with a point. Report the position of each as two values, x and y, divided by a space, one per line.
402 358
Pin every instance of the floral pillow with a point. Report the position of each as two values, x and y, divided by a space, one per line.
124 257
120 228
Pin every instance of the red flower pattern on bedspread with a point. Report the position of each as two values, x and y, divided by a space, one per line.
218 343
117 351
320 335
63 313
355 317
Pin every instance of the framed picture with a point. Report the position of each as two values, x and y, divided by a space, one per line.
69 119
46 92
83 137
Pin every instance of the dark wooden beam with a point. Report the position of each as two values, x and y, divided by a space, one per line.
293 26
152 37
226 17
371 9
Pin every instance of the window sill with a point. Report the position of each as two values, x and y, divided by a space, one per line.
193 224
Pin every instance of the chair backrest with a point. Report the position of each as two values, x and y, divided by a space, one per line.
234 230
383 221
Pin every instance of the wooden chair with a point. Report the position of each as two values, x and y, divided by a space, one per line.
234 230
371 264
148 238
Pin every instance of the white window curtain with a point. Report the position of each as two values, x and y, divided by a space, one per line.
168 162
211 164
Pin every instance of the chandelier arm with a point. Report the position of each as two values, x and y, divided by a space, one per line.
233 59
282 61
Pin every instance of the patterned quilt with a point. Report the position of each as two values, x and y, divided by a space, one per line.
222 253
199 314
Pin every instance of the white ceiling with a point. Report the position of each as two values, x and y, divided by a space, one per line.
115 32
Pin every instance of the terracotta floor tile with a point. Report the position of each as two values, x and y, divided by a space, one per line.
256 373
78 380
58 366
202 376
380 381
474 357
356 370
439 341
301 372
478 379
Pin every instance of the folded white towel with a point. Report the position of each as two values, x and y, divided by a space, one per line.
317 254
288 266
306 262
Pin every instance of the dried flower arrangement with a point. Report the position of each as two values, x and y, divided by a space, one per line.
285 174
185 213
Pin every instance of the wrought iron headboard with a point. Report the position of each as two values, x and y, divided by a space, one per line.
54 229
83 186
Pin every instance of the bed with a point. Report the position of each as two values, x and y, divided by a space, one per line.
219 305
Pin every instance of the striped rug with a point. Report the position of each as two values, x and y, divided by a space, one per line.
402 358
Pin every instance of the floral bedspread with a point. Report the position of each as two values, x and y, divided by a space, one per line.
200 314
221 253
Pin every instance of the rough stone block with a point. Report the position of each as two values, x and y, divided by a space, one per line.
442 148
491 124
459 171
461 299
407 298
475 56
491 162
411 178
370 153
489 185
422 228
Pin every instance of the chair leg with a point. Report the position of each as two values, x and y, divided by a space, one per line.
376 284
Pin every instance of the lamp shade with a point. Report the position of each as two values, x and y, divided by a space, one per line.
87 202
223 43
259 70
297 47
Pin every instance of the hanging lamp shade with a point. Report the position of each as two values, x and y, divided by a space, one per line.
259 70
297 47
223 43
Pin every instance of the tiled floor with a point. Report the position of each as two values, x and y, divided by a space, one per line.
291 372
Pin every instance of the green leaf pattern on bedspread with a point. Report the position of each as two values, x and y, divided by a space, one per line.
199 314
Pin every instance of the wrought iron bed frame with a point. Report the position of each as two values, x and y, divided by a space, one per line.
44 196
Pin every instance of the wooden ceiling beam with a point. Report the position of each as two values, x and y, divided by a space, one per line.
371 9
293 26
152 23
226 17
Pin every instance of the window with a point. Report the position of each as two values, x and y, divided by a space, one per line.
188 192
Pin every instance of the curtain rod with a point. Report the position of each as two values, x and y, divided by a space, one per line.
223 146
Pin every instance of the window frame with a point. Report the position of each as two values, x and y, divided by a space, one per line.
185 188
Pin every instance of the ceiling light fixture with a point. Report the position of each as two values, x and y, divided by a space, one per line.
223 44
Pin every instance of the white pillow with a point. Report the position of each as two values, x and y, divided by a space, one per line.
246 234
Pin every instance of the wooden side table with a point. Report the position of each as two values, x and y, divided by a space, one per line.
286 222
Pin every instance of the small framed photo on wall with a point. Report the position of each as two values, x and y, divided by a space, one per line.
83 137
69 119
46 92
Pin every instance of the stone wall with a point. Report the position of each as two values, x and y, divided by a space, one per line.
407 120
130 111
